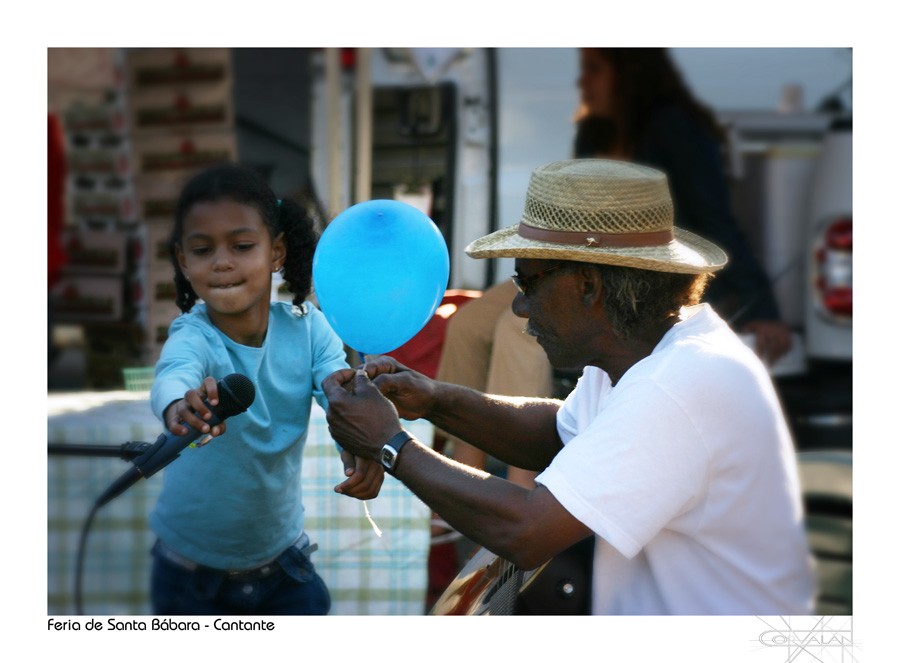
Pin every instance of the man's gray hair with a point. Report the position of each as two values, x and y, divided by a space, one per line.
638 298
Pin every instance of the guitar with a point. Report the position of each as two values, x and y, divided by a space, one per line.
490 585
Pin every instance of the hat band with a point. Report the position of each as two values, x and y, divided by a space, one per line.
656 238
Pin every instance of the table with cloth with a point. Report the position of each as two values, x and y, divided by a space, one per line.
367 574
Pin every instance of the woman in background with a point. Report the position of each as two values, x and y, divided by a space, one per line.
636 106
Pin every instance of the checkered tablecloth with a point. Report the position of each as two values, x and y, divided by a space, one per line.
367 574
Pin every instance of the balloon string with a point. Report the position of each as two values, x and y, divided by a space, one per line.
371 520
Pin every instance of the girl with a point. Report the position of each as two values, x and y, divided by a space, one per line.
229 519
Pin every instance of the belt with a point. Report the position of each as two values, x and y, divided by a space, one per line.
245 575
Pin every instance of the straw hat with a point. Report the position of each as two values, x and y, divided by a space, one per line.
596 210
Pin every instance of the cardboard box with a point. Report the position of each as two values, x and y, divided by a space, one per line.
88 299
157 196
99 156
97 198
181 154
158 68
97 252
108 117
151 251
196 108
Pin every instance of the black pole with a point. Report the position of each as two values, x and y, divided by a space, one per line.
494 156
127 451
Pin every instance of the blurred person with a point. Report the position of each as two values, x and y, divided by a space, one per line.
229 519
635 106
671 452
56 217
486 348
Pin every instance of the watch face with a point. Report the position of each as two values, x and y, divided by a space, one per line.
387 457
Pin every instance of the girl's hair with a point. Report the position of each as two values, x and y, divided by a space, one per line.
637 298
645 78
244 185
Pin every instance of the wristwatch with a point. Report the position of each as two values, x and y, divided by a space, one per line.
391 449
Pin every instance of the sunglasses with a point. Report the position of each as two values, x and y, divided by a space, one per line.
525 282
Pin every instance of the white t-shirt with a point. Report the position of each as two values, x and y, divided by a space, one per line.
685 471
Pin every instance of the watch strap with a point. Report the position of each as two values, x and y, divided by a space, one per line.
392 449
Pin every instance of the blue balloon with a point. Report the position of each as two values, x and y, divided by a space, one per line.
380 271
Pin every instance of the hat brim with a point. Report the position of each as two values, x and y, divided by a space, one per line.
686 254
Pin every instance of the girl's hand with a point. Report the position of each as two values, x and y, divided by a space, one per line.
365 477
192 410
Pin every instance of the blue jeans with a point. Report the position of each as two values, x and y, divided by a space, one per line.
291 588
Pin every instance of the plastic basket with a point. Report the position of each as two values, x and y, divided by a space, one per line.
138 379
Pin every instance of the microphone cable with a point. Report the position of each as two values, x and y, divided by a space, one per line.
79 559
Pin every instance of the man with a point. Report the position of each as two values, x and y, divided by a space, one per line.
672 450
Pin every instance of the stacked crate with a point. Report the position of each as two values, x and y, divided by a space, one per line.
181 114
102 235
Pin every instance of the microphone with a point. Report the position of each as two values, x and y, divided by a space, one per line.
236 394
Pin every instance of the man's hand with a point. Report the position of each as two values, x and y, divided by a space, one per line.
412 393
773 339
360 419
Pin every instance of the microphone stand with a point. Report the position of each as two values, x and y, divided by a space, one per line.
236 393
127 451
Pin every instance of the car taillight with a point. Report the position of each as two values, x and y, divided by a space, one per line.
833 275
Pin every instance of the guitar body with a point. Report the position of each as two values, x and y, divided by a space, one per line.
491 585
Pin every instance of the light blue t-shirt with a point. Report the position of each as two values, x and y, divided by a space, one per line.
235 503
